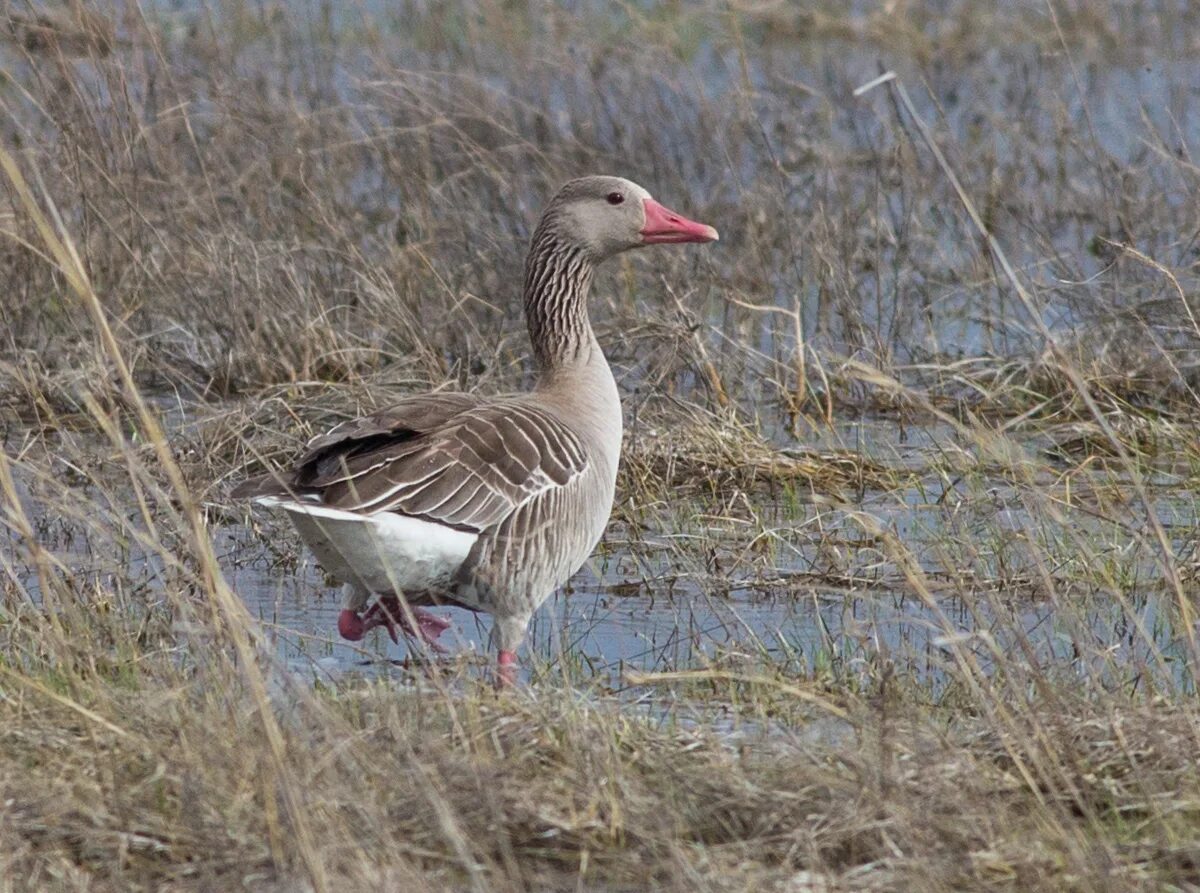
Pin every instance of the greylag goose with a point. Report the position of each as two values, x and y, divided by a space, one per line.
488 503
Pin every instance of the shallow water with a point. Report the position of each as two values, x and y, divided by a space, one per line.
679 598
598 630
825 597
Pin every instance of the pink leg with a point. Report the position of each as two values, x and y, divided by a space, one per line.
390 614
506 669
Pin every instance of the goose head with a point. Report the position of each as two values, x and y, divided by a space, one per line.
607 215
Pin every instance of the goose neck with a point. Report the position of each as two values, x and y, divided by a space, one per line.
558 275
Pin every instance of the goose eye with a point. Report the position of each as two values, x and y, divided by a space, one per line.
615 198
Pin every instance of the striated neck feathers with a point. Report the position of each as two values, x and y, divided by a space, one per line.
558 274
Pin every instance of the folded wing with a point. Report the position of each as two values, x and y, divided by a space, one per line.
450 458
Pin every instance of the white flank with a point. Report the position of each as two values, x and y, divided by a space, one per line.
383 552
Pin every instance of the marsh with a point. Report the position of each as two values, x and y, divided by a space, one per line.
898 592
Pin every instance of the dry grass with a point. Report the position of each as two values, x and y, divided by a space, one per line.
227 227
553 791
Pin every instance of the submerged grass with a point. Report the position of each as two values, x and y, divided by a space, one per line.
228 227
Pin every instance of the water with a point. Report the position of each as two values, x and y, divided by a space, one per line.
813 588
826 596
601 629
769 579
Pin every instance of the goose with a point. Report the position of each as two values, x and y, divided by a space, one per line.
486 503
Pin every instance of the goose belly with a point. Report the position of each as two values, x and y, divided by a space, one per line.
384 552
539 547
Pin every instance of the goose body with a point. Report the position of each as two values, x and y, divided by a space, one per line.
485 503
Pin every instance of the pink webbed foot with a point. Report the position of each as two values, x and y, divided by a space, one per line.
390 614
350 625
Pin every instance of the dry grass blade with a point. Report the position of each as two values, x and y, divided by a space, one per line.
635 678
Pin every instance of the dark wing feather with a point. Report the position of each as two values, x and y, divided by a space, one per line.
418 414
404 421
